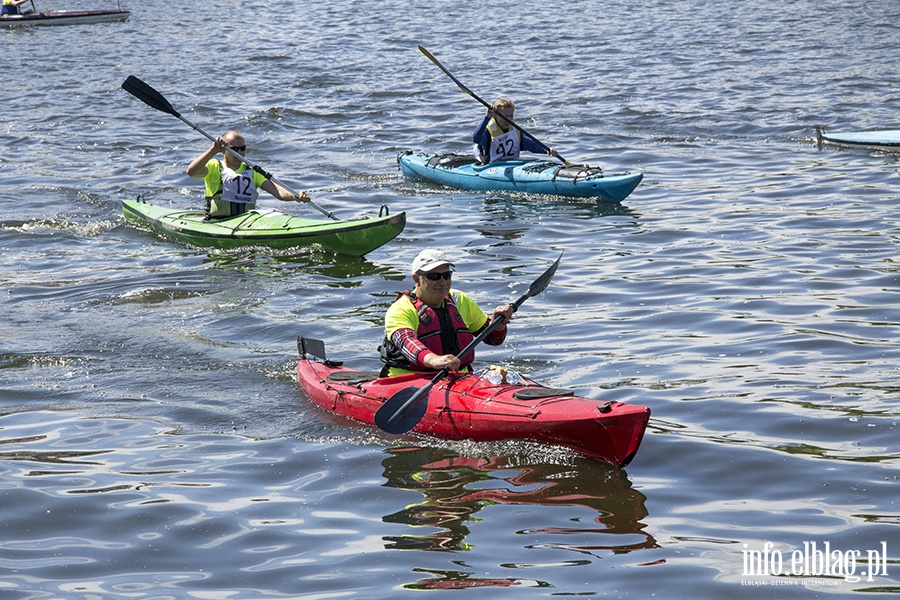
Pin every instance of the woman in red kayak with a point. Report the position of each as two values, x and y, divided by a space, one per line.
425 328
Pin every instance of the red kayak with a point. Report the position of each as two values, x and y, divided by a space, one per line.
464 406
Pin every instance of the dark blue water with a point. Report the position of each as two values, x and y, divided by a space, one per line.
154 444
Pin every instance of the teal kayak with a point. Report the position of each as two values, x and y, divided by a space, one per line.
885 139
266 228
529 177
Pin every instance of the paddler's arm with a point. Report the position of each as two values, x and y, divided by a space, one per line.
498 335
418 354
436 362
477 321
283 194
482 139
506 311
529 144
197 168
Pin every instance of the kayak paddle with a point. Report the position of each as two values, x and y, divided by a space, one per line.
403 411
152 98
474 95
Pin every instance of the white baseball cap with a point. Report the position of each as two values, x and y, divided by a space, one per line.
430 259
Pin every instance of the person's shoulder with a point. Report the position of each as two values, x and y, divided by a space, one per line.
401 302
461 298
400 314
468 309
259 178
213 171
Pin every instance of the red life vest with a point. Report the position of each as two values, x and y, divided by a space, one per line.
442 330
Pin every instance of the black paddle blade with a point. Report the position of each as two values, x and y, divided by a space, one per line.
540 284
148 95
403 410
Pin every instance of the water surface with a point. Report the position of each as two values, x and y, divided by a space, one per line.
154 444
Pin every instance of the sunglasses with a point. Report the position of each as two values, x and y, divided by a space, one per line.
238 148
437 276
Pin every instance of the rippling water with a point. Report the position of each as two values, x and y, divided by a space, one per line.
154 444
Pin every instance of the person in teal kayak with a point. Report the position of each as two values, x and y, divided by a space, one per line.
11 7
496 140
231 186
425 328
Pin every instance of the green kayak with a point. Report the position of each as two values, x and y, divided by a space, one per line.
266 228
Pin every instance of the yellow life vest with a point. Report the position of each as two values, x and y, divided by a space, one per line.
236 193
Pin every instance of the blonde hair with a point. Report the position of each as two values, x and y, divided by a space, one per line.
503 103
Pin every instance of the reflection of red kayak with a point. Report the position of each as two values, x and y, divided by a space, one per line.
464 406
456 488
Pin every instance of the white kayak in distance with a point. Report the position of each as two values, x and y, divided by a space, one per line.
887 140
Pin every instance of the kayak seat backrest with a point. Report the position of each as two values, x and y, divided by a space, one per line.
317 349
352 377
536 393
451 161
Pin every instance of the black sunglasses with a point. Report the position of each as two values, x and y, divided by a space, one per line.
437 276
238 148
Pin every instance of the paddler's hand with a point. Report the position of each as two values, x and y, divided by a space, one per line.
291 197
441 361
506 311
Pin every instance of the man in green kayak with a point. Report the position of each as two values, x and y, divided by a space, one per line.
427 327
231 186
497 140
